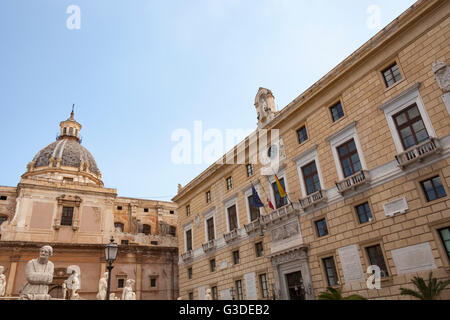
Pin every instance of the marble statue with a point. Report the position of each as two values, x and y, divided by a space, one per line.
73 283
127 293
2 282
102 287
112 296
208 294
39 274
64 290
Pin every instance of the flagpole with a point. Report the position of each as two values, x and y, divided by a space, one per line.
287 194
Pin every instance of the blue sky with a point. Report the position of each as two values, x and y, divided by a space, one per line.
139 69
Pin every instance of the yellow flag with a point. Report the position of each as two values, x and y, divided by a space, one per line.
280 188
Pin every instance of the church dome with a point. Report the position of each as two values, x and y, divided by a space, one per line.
69 152
66 155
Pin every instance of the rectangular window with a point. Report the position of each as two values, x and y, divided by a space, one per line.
229 183
172 231
391 75
3 198
125 242
212 265
208 196
120 283
232 217
302 135
236 257
263 284
119 208
215 294
279 201
330 271
337 112
239 292
153 282
348 155
67 216
410 127
189 240
376 258
254 211
311 178
65 179
172 212
145 209
210 228
321 227
155 243
433 189
259 249
364 213
146 229
189 273
445 237
191 296
188 210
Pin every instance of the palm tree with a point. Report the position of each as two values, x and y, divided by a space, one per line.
430 291
336 294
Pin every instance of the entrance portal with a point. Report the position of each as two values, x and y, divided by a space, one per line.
295 286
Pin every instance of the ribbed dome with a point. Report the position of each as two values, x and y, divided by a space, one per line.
70 152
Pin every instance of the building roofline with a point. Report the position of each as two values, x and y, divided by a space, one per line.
395 27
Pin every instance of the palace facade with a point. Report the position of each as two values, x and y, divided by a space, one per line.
61 201
365 161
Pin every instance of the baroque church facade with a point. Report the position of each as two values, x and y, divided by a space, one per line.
61 201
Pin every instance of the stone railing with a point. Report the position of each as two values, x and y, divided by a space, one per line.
210 245
254 226
279 214
312 199
144 239
350 183
187 255
231 236
418 152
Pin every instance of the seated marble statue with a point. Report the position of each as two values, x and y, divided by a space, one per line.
39 274
127 293
2 281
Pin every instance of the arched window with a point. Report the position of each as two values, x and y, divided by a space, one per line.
118 225
146 229
65 131
70 131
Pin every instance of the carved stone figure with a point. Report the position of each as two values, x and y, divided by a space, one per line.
102 287
39 274
2 282
73 283
112 296
265 106
442 73
64 290
208 294
127 293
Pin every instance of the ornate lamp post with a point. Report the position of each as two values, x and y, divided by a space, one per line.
110 255
232 292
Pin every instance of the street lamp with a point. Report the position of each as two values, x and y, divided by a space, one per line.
232 293
110 255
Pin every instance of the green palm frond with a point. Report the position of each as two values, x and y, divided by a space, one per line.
430 291
336 294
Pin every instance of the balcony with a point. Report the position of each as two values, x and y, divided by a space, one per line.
418 153
352 182
210 245
280 214
254 226
230 237
187 255
312 199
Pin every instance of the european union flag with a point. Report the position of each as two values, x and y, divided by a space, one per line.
255 200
